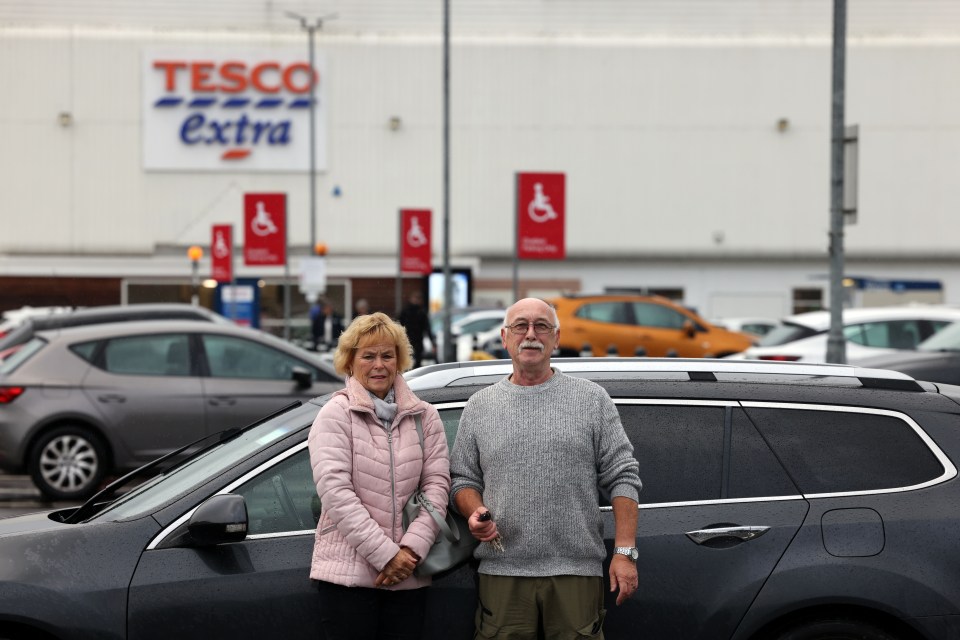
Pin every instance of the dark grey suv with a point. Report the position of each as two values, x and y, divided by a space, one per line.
781 501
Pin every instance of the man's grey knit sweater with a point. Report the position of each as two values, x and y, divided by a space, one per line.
539 456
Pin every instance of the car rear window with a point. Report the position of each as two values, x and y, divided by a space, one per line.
21 354
829 451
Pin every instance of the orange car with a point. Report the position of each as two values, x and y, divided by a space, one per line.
640 325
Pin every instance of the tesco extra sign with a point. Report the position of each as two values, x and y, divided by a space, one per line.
231 111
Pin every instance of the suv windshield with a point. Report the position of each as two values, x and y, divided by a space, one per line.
199 470
784 333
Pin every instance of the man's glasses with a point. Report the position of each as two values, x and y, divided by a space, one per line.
521 328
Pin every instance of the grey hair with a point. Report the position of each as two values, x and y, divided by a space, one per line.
553 311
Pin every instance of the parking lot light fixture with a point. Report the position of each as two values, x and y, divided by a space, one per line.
195 253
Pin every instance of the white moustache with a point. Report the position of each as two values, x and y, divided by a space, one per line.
531 344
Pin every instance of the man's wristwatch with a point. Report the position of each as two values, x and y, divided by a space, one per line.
630 552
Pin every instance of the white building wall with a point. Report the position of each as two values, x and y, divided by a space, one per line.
662 114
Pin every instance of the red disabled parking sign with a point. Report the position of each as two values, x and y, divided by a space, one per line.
265 230
541 203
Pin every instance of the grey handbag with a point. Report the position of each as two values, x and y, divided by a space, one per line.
454 544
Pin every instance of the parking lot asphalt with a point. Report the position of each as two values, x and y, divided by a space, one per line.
18 496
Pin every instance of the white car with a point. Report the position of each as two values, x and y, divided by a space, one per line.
869 332
755 326
473 324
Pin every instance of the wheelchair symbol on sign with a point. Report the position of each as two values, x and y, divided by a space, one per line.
220 248
262 224
540 209
415 236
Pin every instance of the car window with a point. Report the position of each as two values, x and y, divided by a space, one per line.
838 452
148 355
480 324
694 453
18 356
655 315
946 340
283 497
893 334
756 328
784 333
615 312
451 420
230 357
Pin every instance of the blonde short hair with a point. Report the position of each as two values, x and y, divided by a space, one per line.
374 328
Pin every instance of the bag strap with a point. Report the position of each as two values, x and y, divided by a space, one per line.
419 420
452 535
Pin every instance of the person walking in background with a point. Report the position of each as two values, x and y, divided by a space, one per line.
415 320
326 326
367 461
361 307
533 454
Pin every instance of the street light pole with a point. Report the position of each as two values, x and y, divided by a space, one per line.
195 253
311 28
836 343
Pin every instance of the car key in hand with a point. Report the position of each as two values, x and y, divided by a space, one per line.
496 543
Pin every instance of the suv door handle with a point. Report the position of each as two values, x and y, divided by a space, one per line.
112 398
743 534
226 401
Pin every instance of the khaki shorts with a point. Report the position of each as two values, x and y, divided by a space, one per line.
565 607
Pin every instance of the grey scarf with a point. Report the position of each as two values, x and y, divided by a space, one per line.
385 409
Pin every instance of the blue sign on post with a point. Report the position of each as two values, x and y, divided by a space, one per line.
240 302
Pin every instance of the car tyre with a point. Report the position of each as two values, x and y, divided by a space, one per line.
68 463
835 628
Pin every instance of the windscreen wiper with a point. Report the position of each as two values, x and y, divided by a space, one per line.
88 508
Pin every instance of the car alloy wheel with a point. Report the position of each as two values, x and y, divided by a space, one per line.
67 463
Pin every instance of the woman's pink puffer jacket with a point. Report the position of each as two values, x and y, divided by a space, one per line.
364 476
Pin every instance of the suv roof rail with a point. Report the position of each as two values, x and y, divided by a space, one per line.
697 369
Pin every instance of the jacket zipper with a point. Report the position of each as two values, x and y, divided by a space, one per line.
393 471
393 485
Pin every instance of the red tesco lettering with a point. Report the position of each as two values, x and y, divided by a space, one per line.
237 77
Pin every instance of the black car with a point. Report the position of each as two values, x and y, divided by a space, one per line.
781 501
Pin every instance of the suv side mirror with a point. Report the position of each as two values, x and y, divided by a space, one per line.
689 328
220 519
302 377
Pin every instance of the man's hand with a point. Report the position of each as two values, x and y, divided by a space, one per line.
482 527
623 576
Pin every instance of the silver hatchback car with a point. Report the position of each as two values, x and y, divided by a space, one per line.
79 404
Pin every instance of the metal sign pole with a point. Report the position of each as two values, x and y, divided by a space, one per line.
398 286
516 237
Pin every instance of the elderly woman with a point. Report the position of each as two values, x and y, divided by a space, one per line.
367 461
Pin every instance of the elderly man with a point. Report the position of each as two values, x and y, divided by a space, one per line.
532 454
